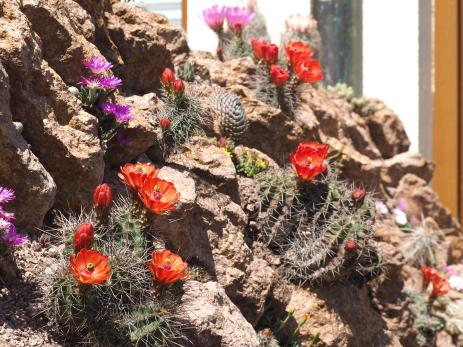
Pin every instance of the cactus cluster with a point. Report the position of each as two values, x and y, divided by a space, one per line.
322 229
124 310
347 92
250 164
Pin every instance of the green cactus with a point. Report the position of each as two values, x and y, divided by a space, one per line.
321 234
250 164
186 72
347 92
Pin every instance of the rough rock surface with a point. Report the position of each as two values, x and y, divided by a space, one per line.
215 319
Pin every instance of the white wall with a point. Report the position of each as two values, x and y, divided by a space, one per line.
390 48
391 58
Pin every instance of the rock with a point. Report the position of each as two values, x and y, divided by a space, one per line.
61 134
406 163
231 73
146 42
66 32
216 321
210 228
140 132
21 170
386 129
417 190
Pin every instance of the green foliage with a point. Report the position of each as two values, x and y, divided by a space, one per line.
110 314
186 72
186 117
250 164
425 324
309 224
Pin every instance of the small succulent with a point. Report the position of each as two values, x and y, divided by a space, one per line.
250 164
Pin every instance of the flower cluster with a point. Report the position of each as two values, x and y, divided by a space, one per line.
310 160
237 18
94 92
300 55
172 86
8 232
158 195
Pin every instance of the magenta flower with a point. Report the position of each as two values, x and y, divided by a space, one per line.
6 195
214 17
97 65
110 82
11 237
92 82
122 113
238 18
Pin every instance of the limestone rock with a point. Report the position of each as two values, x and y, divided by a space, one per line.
386 129
20 169
416 189
216 321
61 134
146 42
140 132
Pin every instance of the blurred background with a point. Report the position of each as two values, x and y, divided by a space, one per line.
406 53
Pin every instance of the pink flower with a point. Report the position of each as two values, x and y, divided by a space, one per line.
110 82
238 18
97 65
92 82
6 195
214 17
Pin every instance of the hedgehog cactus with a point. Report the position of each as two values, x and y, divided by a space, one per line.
302 28
321 233
230 111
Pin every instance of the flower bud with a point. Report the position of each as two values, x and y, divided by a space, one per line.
168 76
350 246
164 123
219 53
178 87
358 195
83 237
103 196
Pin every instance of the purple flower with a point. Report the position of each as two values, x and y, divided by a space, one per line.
11 237
9 217
92 82
6 195
110 82
214 17
122 113
238 18
403 205
97 65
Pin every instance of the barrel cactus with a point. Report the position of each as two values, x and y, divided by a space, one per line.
230 111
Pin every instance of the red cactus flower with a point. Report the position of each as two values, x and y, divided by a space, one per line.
167 267
358 195
350 245
309 71
265 51
164 123
103 196
90 267
440 286
296 51
83 237
158 195
429 274
133 175
278 75
168 76
178 86
310 160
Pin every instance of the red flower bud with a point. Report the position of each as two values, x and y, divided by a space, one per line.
278 75
83 237
358 195
164 123
179 86
350 246
103 196
168 76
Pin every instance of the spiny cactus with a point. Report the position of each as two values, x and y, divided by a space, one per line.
257 29
320 231
230 111
186 119
108 314
186 72
421 244
234 48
